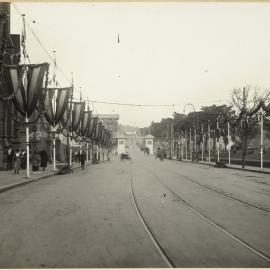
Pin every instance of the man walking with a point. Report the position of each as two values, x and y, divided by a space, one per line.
83 158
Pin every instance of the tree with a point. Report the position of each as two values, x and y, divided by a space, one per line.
245 101
248 98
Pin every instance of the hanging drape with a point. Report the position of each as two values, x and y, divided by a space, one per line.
77 115
86 123
28 87
55 115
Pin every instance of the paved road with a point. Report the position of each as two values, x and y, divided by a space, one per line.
208 217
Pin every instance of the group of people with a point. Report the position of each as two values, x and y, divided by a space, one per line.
160 154
80 157
17 160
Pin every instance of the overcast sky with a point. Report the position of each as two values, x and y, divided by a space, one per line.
169 53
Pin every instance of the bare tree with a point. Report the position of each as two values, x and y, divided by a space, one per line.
246 100
248 97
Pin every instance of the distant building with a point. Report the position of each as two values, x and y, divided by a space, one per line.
110 121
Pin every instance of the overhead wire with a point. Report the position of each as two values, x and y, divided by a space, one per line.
41 44
68 79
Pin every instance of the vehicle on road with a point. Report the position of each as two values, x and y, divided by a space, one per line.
124 156
161 153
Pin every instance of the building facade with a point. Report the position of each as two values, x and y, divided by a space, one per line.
9 118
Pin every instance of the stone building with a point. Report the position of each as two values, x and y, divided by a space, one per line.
9 54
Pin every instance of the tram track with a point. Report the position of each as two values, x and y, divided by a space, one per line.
154 240
222 193
211 222
208 220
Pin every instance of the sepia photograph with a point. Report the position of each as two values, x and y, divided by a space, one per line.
134 134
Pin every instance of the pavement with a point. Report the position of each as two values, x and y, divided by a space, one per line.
9 180
235 167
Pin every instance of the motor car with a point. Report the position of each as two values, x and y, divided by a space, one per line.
146 150
124 156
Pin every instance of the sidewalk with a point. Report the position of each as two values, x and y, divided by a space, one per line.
9 180
236 167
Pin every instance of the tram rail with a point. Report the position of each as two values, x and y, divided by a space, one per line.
212 223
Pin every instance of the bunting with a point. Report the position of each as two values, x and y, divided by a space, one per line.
55 113
27 96
77 115
86 123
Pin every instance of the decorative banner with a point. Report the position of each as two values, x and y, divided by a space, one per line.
95 129
100 130
77 114
27 96
91 128
65 121
55 113
86 123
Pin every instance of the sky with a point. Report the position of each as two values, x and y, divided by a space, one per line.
167 54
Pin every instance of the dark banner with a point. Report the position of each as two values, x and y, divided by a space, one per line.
77 114
27 87
56 102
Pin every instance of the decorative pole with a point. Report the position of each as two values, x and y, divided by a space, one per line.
25 87
229 147
54 112
182 144
195 142
261 123
209 141
190 150
171 127
87 140
70 126
218 139
179 146
80 124
186 142
202 142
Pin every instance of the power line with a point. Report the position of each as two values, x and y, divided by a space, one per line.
141 105
41 44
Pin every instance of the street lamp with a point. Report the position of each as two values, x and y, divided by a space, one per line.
195 127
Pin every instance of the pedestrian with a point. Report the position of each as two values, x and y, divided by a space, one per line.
76 157
10 158
35 161
43 159
17 161
82 158
23 159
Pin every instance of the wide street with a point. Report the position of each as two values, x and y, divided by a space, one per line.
138 213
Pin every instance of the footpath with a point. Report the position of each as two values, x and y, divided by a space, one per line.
9 180
234 167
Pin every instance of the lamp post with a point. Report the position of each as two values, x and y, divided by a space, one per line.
261 115
195 127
